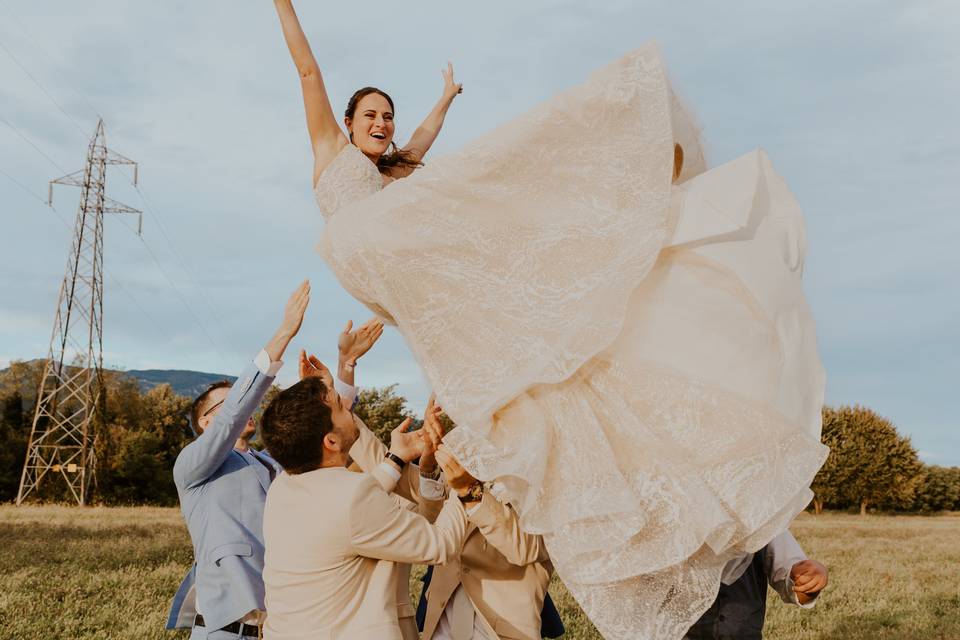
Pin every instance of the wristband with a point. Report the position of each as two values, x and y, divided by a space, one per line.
431 476
397 460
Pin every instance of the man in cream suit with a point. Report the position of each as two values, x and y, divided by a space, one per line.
495 586
333 537
425 497
222 485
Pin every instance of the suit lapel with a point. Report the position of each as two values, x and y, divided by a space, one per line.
263 475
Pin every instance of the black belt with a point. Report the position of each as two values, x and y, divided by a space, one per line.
244 629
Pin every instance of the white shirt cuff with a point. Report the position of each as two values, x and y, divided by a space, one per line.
392 470
431 489
266 366
346 391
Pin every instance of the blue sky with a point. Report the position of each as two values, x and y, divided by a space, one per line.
856 103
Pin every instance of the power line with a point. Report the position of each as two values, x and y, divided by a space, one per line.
26 189
56 63
44 90
150 251
148 206
109 273
143 196
183 300
32 144
139 191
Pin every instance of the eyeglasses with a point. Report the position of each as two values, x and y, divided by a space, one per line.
216 406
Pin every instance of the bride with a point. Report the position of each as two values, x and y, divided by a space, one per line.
620 333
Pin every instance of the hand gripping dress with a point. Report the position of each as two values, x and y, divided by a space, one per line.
632 358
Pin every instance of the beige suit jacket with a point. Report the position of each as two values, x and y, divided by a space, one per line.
504 571
368 451
333 540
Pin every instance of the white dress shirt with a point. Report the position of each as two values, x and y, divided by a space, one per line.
782 553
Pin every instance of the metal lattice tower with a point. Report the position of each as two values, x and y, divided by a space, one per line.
65 424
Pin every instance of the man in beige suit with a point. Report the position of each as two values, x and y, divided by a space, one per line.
495 586
420 489
333 537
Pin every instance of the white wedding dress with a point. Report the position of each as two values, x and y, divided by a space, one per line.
633 359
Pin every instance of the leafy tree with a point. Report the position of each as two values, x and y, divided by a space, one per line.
939 491
382 410
830 480
869 463
14 432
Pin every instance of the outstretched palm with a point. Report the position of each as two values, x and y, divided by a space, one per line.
354 343
450 88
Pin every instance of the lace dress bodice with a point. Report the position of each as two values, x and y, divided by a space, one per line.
349 177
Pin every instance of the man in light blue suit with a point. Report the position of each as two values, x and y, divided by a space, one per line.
222 484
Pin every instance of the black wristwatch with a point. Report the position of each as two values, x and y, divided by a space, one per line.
475 494
400 462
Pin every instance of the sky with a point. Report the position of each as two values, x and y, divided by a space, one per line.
856 103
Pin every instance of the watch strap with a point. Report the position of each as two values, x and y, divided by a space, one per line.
397 460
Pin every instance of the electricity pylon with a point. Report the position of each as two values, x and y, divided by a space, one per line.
65 424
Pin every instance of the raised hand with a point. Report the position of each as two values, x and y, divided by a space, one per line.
455 475
809 578
451 89
432 437
405 444
292 320
296 307
311 367
353 344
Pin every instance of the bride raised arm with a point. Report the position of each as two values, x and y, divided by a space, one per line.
368 116
326 136
425 135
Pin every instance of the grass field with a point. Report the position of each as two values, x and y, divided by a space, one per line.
109 573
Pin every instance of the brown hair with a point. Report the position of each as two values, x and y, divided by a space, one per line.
196 409
294 425
397 157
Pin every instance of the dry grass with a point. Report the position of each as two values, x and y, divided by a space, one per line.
110 573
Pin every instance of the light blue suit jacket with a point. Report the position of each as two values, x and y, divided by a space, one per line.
222 494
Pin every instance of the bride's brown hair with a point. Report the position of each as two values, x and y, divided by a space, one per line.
397 157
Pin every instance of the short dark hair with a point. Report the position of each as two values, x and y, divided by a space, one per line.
196 409
295 424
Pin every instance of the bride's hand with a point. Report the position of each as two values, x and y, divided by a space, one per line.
451 89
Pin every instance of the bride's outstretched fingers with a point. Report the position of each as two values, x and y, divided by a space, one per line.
450 87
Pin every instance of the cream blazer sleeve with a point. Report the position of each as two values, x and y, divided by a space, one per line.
499 524
368 452
380 528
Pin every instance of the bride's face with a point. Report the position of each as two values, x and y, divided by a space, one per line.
371 127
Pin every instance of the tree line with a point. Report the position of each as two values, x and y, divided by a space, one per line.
140 434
